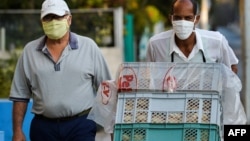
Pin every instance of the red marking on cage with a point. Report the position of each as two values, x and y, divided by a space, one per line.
169 81
127 80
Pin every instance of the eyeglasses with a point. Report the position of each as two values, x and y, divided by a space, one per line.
187 18
51 17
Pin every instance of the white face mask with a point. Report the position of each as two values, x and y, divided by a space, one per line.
182 28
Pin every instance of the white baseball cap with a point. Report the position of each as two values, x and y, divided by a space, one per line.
57 7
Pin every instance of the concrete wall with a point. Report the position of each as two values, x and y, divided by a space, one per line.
114 57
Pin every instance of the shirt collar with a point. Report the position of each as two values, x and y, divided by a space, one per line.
174 48
72 42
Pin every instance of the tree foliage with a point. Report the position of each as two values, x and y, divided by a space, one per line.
6 74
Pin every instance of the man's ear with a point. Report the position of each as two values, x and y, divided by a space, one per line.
197 19
70 19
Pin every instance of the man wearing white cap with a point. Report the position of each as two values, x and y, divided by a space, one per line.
61 72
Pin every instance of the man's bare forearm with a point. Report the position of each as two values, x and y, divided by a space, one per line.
18 113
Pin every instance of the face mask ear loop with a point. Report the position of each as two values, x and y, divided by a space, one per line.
67 17
194 23
172 19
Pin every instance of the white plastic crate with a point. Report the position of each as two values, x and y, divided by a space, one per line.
141 76
177 107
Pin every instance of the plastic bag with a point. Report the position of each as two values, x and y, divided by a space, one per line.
104 108
233 110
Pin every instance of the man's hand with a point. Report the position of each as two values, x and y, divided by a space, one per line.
234 68
18 136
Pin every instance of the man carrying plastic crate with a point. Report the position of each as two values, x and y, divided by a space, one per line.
187 44
181 45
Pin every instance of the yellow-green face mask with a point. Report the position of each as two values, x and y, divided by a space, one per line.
55 29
